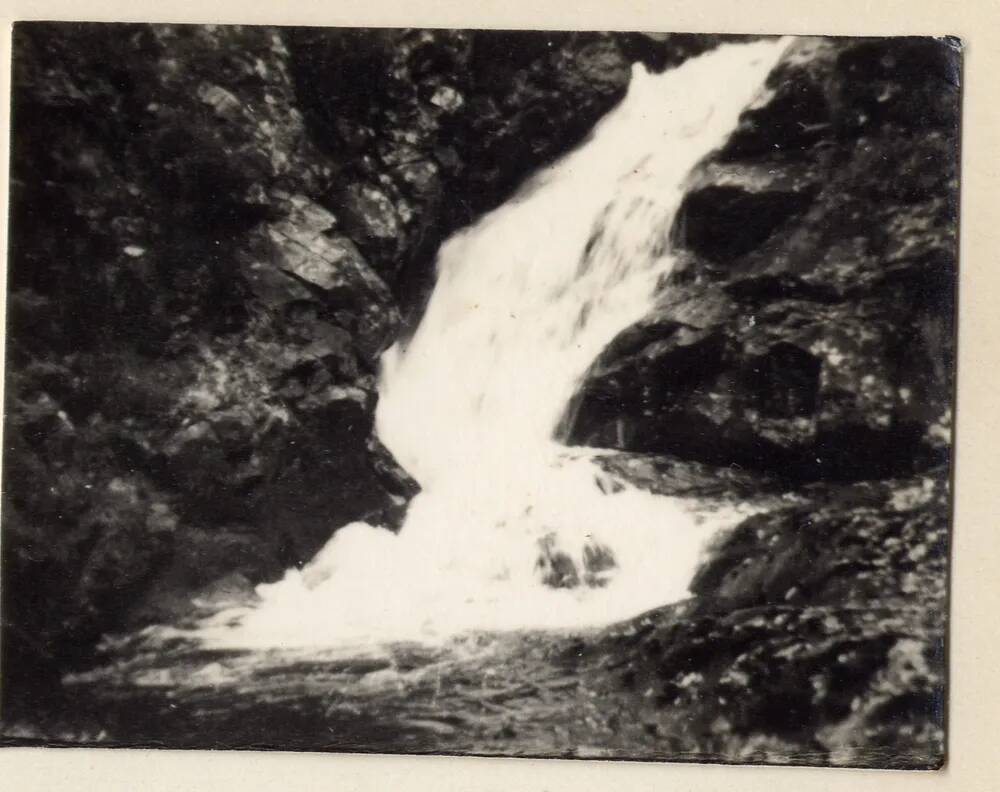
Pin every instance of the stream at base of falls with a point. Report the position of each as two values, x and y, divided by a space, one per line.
510 693
457 634
516 693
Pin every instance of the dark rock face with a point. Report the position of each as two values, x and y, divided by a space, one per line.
815 635
191 335
806 333
807 327
215 233
462 118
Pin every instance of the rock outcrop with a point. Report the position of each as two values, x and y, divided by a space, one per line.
215 232
815 635
807 327
805 333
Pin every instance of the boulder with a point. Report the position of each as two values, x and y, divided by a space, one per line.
558 569
815 635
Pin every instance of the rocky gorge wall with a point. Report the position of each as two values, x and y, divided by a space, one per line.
215 232
807 332
807 327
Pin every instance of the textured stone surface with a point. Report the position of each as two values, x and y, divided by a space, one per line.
815 634
806 332
192 345
807 327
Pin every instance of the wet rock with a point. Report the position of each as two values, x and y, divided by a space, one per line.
558 569
591 74
370 217
213 335
815 634
721 223
807 326
555 567
858 545
665 475
168 602
598 564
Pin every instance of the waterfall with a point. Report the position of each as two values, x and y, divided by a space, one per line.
512 530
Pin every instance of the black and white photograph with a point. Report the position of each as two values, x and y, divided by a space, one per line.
511 393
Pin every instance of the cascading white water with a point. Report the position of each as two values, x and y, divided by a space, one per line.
525 300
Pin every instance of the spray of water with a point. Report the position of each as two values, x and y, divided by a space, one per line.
511 530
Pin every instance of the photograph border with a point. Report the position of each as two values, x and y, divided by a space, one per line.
973 687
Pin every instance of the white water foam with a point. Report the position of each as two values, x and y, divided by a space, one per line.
525 300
